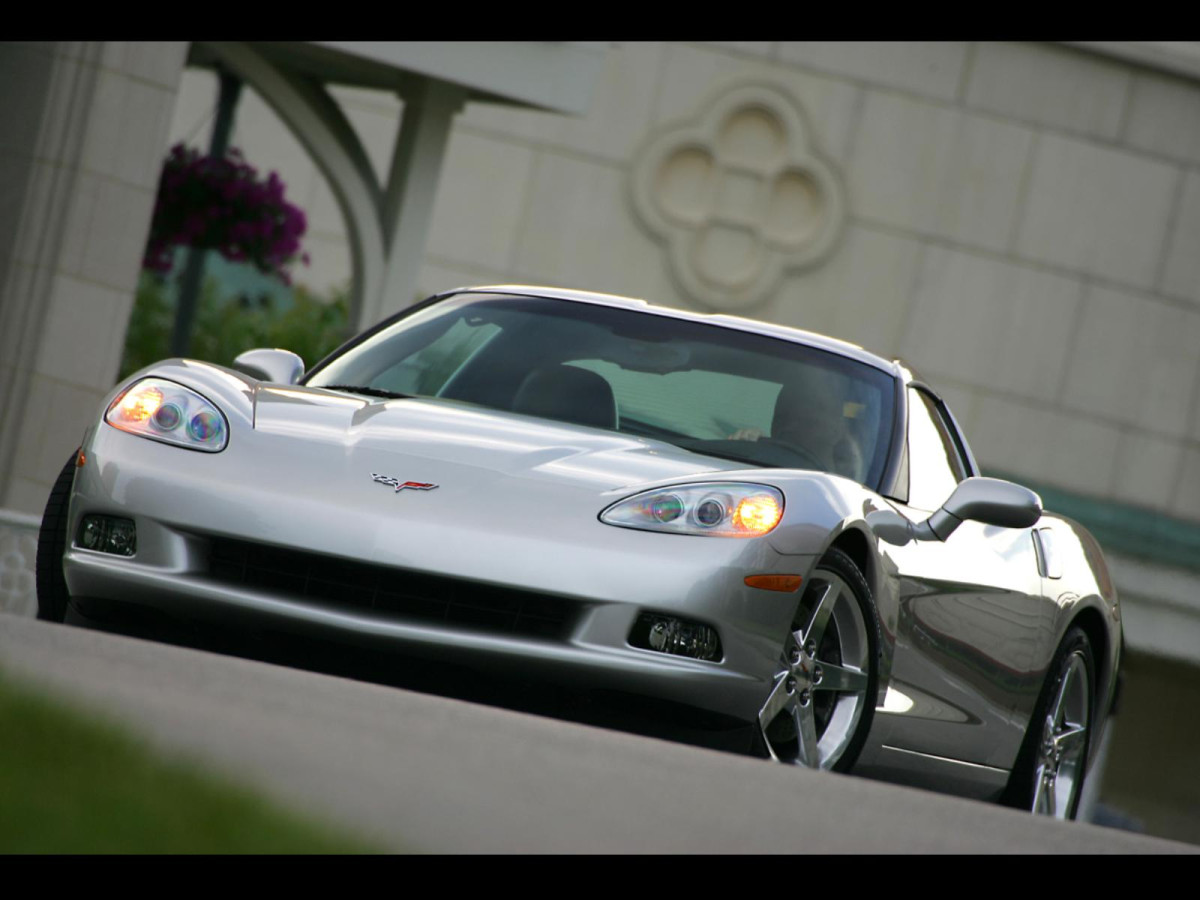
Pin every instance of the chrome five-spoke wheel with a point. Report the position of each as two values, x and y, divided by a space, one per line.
1058 776
821 703
1048 779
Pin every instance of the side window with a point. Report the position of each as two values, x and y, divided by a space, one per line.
934 464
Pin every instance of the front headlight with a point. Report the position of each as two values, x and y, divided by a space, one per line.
717 509
169 412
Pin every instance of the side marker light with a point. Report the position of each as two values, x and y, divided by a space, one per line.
774 582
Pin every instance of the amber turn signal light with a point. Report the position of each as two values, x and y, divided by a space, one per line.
774 582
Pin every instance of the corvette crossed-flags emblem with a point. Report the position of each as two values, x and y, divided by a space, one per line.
401 485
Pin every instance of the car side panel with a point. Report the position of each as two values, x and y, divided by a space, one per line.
974 638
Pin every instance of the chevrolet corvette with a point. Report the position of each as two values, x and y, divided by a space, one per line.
753 521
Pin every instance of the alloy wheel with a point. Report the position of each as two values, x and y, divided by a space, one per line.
1060 757
813 713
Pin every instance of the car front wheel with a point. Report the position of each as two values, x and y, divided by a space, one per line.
820 706
52 593
1048 779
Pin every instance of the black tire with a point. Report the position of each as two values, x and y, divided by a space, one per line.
841 716
52 593
1059 735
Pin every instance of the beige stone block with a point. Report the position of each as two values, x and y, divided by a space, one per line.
937 170
116 241
111 364
1095 209
579 231
1080 454
77 336
1181 275
157 61
1147 470
481 193
1135 361
143 145
991 323
38 409
693 75
106 123
54 428
77 224
615 122
926 67
27 496
75 409
1051 446
1047 84
861 294
22 282
127 129
1185 501
1164 116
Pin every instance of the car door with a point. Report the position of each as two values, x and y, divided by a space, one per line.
971 615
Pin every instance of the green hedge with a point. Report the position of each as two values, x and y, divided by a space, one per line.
311 326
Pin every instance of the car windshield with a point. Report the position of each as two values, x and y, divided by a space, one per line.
761 400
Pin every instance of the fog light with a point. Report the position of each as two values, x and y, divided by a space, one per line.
108 535
678 637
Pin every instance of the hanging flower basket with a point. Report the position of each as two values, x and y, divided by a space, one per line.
221 204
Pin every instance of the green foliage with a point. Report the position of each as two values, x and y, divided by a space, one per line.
311 327
69 784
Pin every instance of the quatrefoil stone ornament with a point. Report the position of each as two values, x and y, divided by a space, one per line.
739 195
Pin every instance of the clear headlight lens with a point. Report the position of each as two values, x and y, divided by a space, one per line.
169 412
719 509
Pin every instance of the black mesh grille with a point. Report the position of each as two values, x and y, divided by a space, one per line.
409 596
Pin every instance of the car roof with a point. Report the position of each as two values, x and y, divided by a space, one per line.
796 335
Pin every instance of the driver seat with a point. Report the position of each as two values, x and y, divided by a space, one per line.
847 454
568 394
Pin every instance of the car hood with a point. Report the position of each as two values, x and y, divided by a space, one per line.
426 436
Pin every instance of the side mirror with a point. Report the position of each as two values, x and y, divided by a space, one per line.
987 500
279 366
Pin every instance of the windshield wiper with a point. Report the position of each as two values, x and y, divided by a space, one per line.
362 389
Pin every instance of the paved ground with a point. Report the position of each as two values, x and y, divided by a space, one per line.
419 772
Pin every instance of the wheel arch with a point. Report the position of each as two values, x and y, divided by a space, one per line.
856 543
1091 621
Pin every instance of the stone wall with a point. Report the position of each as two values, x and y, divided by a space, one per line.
80 156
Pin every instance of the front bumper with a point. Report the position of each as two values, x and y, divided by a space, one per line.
183 502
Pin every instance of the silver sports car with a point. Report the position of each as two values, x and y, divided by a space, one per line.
752 521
